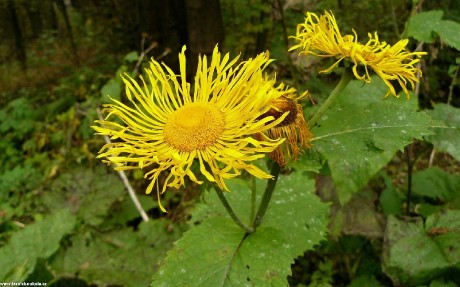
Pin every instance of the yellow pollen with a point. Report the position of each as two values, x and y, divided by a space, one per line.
194 126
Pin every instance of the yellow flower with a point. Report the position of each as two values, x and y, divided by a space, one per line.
293 128
167 125
320 36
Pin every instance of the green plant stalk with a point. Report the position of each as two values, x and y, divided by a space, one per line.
253 199
230 211
452 84
410 165
346 77
275 171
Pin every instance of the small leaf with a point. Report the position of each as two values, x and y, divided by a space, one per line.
113 89
131 56
446 139
389 199
38 240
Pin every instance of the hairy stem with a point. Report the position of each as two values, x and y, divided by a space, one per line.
346 77
410 165
275 171
253 199
230 211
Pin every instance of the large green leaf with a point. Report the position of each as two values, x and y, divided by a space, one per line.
362 132
446 139
216 252
121 257
36 241
415 253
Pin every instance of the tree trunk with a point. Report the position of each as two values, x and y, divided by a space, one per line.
63 9
20 51
205 28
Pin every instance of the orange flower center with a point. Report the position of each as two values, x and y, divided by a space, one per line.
194 126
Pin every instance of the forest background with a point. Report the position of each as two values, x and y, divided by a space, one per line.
65 217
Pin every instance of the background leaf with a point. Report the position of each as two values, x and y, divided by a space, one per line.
425 25
449 31
38 240
390 200
113 89
422 25
83 192
217 253
415 253
131 56
437 184
135 255
446 139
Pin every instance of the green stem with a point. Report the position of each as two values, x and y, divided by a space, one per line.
253 199
230 211
275 171
410 165
451 88
346 77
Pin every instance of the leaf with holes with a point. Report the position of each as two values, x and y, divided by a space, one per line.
358 138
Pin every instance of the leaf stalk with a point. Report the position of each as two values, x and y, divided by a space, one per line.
266 198
346 77
232 213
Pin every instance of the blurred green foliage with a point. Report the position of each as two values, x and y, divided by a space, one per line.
65 218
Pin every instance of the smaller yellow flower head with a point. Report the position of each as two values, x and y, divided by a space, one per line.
293 128
320 36
167 126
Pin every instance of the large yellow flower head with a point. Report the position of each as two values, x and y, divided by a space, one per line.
320 36
166 125
293 128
